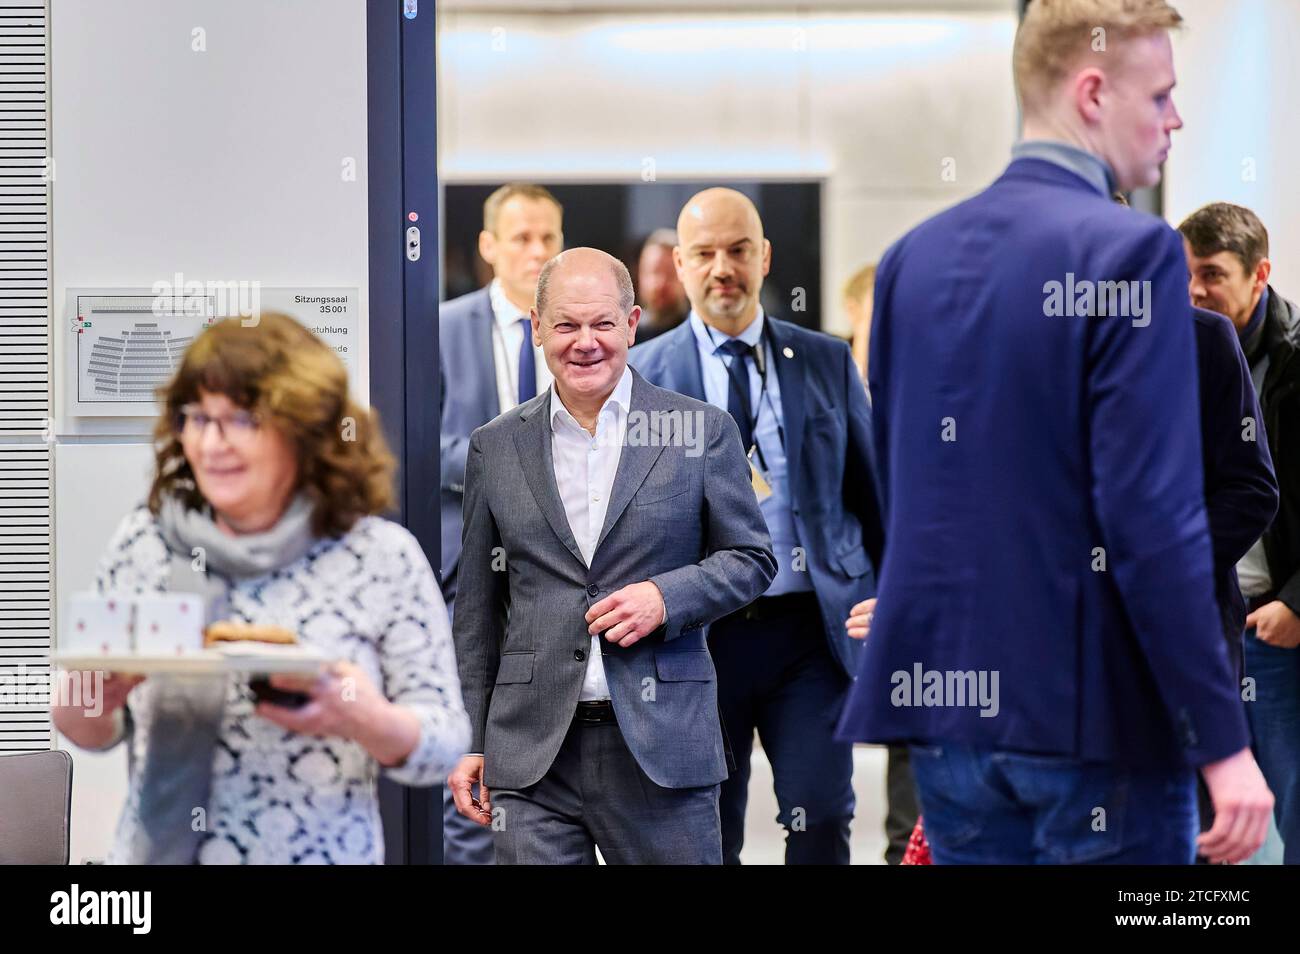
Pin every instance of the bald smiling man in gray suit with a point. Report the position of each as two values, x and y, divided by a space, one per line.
607 523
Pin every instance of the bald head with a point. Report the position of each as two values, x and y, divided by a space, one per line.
716 207
722 257
587 269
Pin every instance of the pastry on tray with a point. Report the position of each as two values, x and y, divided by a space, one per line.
230 631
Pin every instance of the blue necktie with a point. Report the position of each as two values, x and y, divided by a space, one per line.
738 404
527 366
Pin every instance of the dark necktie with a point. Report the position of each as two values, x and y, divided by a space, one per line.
527 366
738 392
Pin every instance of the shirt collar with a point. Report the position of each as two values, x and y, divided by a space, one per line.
505 313
1091 168
620 398
710 339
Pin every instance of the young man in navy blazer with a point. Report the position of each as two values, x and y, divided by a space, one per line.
785 663
1046 635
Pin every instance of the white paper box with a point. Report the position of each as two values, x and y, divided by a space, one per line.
168 623
97 624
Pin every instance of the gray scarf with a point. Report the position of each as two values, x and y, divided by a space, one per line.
176 777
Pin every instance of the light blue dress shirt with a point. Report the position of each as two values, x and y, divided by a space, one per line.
1091 168
767 434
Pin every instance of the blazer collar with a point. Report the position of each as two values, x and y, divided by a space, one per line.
1033 169
485 374
640 451
1089 167
790 360
533 443
680 360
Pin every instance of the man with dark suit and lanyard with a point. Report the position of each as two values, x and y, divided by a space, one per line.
785 662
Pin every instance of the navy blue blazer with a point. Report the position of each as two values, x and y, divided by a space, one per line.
1240 487
830 460
1042 487
468 400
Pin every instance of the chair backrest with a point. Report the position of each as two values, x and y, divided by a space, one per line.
35 808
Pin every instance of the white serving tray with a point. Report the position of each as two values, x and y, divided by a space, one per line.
243 658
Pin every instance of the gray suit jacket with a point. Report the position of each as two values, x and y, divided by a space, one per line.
682 516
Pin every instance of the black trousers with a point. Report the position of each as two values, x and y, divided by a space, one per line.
902 806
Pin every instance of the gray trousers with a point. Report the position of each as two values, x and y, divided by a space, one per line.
595 795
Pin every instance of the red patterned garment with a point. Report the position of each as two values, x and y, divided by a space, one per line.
918 849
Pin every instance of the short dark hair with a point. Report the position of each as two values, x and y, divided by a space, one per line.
1224 227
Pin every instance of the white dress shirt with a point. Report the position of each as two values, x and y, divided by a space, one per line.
507 337
584 474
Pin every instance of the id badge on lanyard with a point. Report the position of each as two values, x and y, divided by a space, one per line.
757 479
762 489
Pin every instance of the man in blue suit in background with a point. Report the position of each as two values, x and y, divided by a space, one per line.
1046 635
489 364
785 663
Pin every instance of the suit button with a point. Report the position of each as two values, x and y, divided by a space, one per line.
592 589
579 655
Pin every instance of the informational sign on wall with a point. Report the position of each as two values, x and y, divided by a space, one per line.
332 314
125 343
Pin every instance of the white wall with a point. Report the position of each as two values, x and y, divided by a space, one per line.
873 102
1238 78
223 164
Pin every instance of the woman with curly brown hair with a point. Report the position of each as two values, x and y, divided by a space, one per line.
265 500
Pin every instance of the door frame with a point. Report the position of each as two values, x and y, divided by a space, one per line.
402 177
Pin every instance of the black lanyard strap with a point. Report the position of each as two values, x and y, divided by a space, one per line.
740 380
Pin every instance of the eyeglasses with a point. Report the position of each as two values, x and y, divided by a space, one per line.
237 427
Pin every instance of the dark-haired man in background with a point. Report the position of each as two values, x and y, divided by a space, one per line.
660 291
1227 256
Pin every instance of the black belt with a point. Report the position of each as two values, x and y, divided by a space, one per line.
772 607
595 713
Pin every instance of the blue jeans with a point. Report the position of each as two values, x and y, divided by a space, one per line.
1274 716
1004 808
